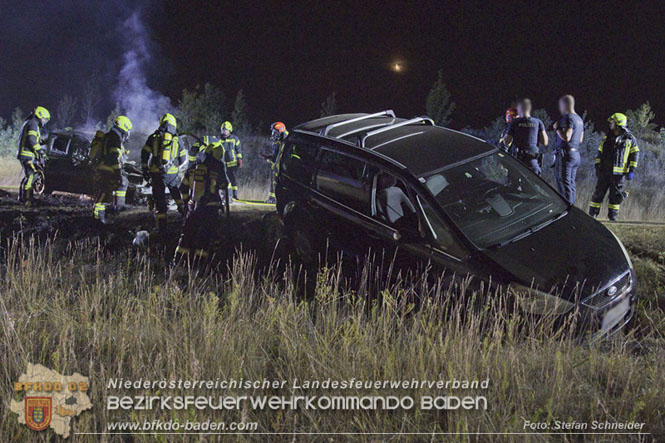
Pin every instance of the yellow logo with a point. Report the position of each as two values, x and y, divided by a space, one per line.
50 399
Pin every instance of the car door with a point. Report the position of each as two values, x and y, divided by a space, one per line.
342 201
449 256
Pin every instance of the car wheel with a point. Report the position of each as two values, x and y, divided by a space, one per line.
303 244
39 185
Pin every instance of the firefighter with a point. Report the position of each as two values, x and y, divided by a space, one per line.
161 158
509 116
523 135
199 146
200 191
616 162
278 133
232 157
29 150
569 135
108 158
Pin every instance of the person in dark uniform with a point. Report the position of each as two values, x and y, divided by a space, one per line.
161 159
523 135
232 157
278 133
200 190
569 134
29 150
108 150
509 116
616 162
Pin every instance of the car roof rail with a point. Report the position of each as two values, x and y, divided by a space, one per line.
425 120
386 113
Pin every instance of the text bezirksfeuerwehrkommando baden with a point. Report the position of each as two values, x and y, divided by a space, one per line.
350 384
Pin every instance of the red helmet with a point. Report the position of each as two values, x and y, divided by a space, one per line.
279 127
511 113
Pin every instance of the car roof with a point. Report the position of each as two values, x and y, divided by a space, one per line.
416 144
86 135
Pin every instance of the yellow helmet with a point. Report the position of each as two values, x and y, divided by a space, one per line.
618 118
123 123
227 125
41 112
170 119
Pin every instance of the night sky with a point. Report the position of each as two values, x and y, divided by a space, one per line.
289 56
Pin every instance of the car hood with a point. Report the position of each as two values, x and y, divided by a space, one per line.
575 251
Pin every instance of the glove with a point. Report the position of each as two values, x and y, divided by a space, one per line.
146 174
240 163
630 175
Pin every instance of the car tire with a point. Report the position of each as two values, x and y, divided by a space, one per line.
304 245
303 241
39 185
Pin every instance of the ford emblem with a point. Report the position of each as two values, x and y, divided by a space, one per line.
612 291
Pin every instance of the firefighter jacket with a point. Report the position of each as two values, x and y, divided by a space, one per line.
201 184
162 153
111 152
28 142
618 153
232 150
207 140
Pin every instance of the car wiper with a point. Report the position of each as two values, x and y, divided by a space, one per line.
530 231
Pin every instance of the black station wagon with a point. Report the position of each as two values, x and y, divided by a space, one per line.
424 193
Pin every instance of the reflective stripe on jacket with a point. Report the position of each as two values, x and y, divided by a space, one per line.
162 153
620 153
232 150
28 144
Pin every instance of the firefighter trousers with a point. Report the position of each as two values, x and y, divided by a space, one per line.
197 232
29 170
106 183
231 172
159 184
612 184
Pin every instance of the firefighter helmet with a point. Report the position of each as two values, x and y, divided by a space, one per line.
279 127
42 113
227 126
618 118
123 123
511 113
169 119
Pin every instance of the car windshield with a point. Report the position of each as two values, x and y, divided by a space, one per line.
494 199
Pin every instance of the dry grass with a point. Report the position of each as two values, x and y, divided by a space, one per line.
10 171
74 307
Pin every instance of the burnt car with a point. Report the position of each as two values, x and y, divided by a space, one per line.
428 194
68 168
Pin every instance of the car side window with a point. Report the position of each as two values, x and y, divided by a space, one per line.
60 145
299 161
392 205
443 238
346 180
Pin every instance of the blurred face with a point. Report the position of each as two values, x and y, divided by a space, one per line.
226 133
613 125
562 107
274 135
43 121
520 109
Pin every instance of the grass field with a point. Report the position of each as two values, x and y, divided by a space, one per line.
81 307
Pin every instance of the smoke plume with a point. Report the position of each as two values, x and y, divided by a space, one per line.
137 100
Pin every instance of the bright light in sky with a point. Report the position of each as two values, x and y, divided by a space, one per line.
397 66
